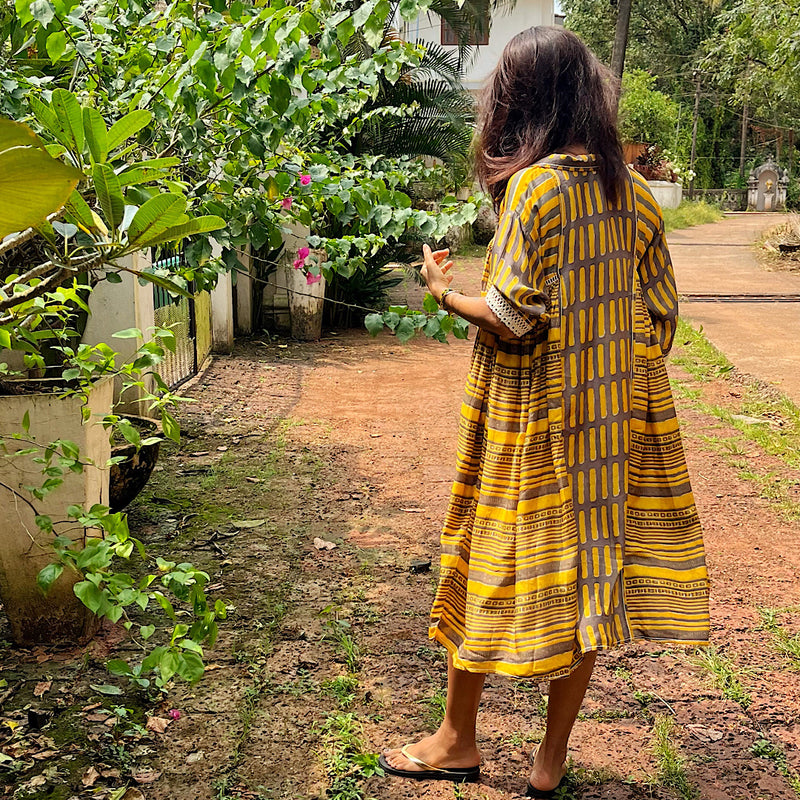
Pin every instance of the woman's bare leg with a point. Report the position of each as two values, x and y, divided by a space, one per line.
453 745
566 696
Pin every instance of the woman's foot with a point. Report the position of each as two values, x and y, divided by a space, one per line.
439 750
548 769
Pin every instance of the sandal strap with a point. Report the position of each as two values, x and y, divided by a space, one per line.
418 761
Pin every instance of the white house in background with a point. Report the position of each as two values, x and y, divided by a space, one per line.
505 25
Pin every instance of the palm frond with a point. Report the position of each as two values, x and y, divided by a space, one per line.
439 62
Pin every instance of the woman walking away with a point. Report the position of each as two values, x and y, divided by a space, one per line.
572 527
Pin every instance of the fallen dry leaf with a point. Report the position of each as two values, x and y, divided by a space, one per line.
38 780
145 776
89 777
132 794
322 544
157 724
41 688
43 754
110 773
193 758
248 523
254 480
96 717
91 707
705 734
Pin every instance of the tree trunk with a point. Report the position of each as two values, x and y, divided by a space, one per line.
621 37
695 117
743 141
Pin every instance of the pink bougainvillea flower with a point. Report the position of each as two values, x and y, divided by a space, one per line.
310 278
298 262
303 253
174 713
286 203
305 180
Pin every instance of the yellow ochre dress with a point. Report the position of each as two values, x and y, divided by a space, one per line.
572 526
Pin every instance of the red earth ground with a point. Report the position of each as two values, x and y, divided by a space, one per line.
351 440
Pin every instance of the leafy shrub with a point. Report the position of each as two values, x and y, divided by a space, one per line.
645 114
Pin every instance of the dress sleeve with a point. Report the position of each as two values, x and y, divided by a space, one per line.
656 276
515 289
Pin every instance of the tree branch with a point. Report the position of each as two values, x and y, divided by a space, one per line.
24 236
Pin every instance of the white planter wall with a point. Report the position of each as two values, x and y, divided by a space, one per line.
117 307
666 193
24 549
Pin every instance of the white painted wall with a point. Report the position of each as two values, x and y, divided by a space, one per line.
505 26
118 306
221 309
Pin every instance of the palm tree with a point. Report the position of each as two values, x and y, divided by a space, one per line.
442 121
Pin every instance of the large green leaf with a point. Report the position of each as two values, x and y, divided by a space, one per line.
56 45
79 210
15 134
109 194
155 216
46 117
96 134
68 112
165 283
191 228
124 128
32 185
146 171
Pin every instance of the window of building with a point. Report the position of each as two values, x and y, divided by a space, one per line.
449 35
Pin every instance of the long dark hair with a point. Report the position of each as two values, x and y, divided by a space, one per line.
549 91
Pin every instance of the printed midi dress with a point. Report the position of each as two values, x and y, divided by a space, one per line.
571 526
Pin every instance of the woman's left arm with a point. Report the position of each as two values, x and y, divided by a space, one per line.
474 310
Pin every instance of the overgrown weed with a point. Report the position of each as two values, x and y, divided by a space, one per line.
690 213
346 763
724 674
782 640
342 689
670 764
340 632
763 748
435 707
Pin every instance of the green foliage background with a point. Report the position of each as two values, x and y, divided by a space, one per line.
742 52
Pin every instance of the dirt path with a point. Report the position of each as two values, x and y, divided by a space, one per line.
325 658
760 338
382 417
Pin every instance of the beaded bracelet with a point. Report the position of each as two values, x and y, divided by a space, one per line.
444 294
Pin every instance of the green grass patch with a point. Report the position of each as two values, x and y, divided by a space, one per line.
340 632
670 764
784 642
763 748
346 762
342 689
690 213
471 250
697 355
724 674
776 433
435 707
